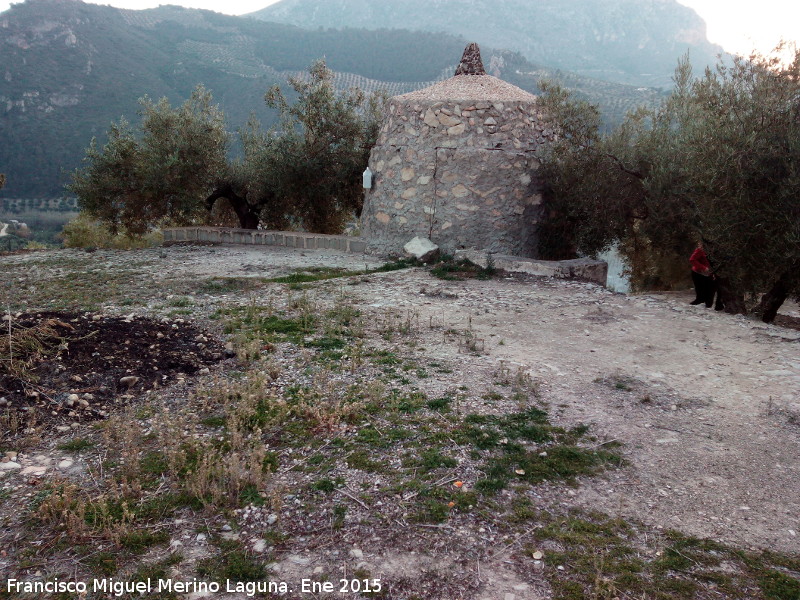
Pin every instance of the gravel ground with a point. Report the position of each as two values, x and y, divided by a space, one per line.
704 404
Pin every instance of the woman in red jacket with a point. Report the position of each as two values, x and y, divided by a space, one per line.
704 284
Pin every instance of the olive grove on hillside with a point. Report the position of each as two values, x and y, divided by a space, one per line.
718 161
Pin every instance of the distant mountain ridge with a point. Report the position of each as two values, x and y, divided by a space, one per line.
635 42
67 69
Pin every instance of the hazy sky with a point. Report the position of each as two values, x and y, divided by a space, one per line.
737 25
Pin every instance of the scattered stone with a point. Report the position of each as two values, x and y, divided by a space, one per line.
36 470
9 466
259 546
422 249
129 381
65 464
356 553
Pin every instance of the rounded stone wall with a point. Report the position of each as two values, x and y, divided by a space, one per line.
455 163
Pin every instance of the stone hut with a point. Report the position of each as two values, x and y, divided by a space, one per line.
455 163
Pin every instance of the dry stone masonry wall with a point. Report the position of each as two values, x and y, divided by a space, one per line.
455 163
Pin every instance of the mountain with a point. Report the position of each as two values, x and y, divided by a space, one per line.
67 69
635 42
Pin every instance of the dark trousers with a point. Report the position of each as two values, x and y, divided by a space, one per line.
705 288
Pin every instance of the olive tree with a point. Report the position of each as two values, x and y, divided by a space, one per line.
160 173
741 152
307 170
718 160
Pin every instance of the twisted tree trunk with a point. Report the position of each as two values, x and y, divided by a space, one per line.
731 298
774 298
247 215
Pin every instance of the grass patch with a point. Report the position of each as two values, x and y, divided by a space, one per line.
451 269
232 562
504 442
76 445
440 404
228 285
261 323
361 460
602 558
154 571
103 563
312 274
140 541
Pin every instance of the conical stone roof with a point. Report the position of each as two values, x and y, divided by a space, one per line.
470 83
469 88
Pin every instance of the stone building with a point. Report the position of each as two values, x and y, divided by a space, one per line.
455 163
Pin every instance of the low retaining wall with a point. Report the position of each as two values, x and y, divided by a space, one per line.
581 268
290 239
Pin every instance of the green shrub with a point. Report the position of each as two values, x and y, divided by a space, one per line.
85 232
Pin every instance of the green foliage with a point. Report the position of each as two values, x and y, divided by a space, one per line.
76 445
719 160
233 562
308 170
161 174
85 232
451 269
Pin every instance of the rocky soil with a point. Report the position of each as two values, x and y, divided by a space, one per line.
705 407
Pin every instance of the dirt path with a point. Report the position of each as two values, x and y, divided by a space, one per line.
704 402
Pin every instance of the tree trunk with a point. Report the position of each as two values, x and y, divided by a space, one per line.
248 218
774 298
733 300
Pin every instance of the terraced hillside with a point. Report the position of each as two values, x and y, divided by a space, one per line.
71 68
